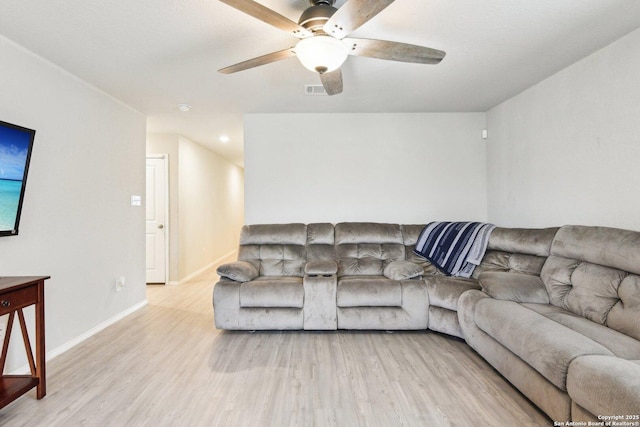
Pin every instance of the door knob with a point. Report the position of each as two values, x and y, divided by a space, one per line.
160 226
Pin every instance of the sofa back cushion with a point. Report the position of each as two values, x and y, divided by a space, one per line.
595 272
274 249
320 242
365 249
368 291
512 250
517 250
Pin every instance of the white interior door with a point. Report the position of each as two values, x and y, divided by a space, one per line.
157 232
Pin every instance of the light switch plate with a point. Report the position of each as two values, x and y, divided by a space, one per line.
136 200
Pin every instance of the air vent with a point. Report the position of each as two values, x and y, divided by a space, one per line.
314 90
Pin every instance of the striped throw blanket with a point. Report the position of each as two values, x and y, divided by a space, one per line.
456 248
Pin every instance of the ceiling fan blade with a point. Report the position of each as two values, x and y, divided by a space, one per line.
332 82
352 15
269 16
260 60
393 51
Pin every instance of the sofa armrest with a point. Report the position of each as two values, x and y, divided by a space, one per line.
239 271
605 385
402 270
321 268
514 287
319 309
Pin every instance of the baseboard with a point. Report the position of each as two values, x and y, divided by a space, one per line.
215 263
88 334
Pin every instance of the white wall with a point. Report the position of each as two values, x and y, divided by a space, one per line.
206 204
77 223
210 207
567 151
399 168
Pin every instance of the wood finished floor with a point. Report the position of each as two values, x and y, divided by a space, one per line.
166 365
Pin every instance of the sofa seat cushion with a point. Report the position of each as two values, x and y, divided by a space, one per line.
444 291
547 346
369 291
265 291
618 343
605 385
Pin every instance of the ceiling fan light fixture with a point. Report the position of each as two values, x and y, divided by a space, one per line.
321 54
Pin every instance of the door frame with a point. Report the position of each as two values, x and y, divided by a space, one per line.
165 159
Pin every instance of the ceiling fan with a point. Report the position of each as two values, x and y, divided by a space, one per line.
324 45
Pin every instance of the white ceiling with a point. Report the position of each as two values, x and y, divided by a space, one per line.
155 54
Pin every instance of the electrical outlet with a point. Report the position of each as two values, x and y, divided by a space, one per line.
120 281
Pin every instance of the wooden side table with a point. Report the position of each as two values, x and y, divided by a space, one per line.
15 294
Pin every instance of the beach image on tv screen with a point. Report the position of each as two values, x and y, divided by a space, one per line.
14 145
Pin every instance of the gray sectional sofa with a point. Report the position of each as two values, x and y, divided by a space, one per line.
569 339
556 311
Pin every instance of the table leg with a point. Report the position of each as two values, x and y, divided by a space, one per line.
40 344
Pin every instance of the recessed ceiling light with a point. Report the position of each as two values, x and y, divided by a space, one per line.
184 107
224 139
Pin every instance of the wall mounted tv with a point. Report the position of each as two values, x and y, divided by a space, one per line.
16 143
